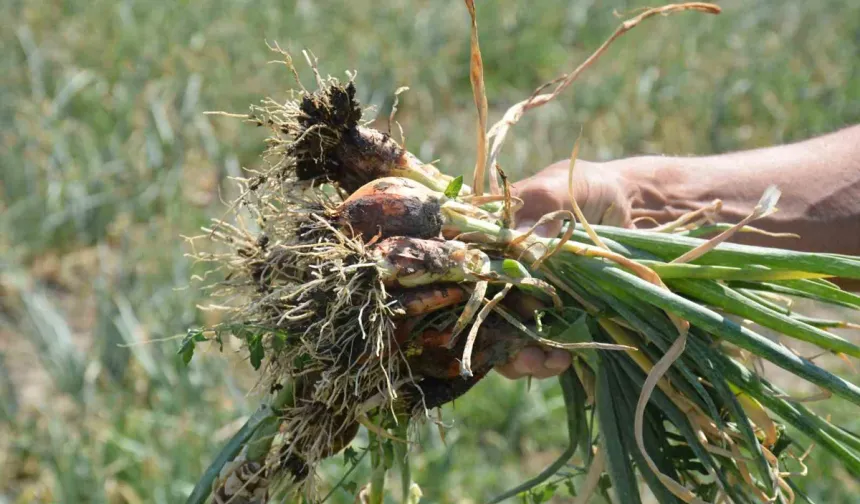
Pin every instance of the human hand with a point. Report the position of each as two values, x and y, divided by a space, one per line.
600 193
599 189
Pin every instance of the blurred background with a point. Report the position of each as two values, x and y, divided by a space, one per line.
107 160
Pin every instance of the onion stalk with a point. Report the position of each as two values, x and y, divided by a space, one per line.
397 291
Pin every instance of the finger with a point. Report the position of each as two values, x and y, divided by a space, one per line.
617 215
544 373
557 360
525 363
540 198
523 304
507 370
529 360
535 362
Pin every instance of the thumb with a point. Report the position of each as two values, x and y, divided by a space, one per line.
539 199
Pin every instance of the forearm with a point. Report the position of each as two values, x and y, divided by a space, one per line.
819 180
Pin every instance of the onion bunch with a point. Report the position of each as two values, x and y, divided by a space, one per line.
370 288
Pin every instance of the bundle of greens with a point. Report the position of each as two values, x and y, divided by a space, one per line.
370 288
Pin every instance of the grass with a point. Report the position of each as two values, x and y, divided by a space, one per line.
107 159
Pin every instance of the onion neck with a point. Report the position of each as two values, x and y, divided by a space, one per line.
456 224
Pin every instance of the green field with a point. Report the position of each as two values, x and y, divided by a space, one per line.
107 160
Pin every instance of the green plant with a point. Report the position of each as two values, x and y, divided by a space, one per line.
758 74
315 280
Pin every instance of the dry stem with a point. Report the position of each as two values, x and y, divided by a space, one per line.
476 76
499 131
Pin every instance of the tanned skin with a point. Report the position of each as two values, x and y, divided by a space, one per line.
819 180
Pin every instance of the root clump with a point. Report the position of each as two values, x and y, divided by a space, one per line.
317 285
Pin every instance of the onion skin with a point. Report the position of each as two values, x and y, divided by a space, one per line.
425 300
428 356
330 145
391 206
366 154
430 353
409 262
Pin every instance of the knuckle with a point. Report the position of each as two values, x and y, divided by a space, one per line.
539 199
